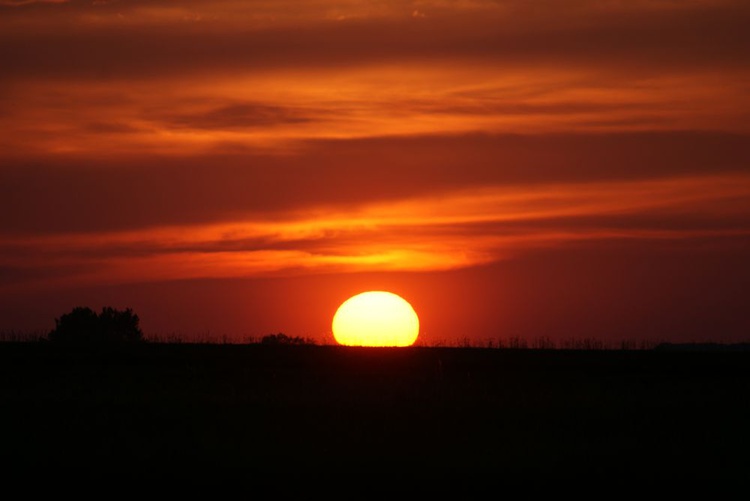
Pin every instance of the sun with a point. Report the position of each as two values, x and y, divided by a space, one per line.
375 318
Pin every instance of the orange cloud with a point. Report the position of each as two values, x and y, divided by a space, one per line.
166 77
438 232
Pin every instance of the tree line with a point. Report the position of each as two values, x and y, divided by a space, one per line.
84 326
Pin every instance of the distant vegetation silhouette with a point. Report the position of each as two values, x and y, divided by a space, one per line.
84 326
283 339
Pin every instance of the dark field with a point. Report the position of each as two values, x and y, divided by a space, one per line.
199 411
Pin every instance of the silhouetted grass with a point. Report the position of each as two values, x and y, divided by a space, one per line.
14 336
544 343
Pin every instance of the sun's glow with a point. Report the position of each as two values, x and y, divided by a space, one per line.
375 318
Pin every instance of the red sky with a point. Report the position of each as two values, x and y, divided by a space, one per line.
236 168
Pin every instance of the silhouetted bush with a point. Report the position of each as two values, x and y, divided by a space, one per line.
280 338
83 326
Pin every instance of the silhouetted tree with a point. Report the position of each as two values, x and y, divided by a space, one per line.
83 326
120 326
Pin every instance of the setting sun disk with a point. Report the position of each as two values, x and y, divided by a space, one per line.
375 318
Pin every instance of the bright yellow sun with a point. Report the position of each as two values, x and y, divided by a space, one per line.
375 318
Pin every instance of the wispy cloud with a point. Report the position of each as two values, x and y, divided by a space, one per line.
187 77
453 230
20 3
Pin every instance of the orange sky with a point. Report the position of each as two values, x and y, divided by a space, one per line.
235 168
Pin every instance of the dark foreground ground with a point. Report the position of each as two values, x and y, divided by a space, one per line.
205 411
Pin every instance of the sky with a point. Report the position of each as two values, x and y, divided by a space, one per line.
514 169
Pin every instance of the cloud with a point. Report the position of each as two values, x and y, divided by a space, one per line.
62 193
255 75
235 116
628 39
456 229
21 3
